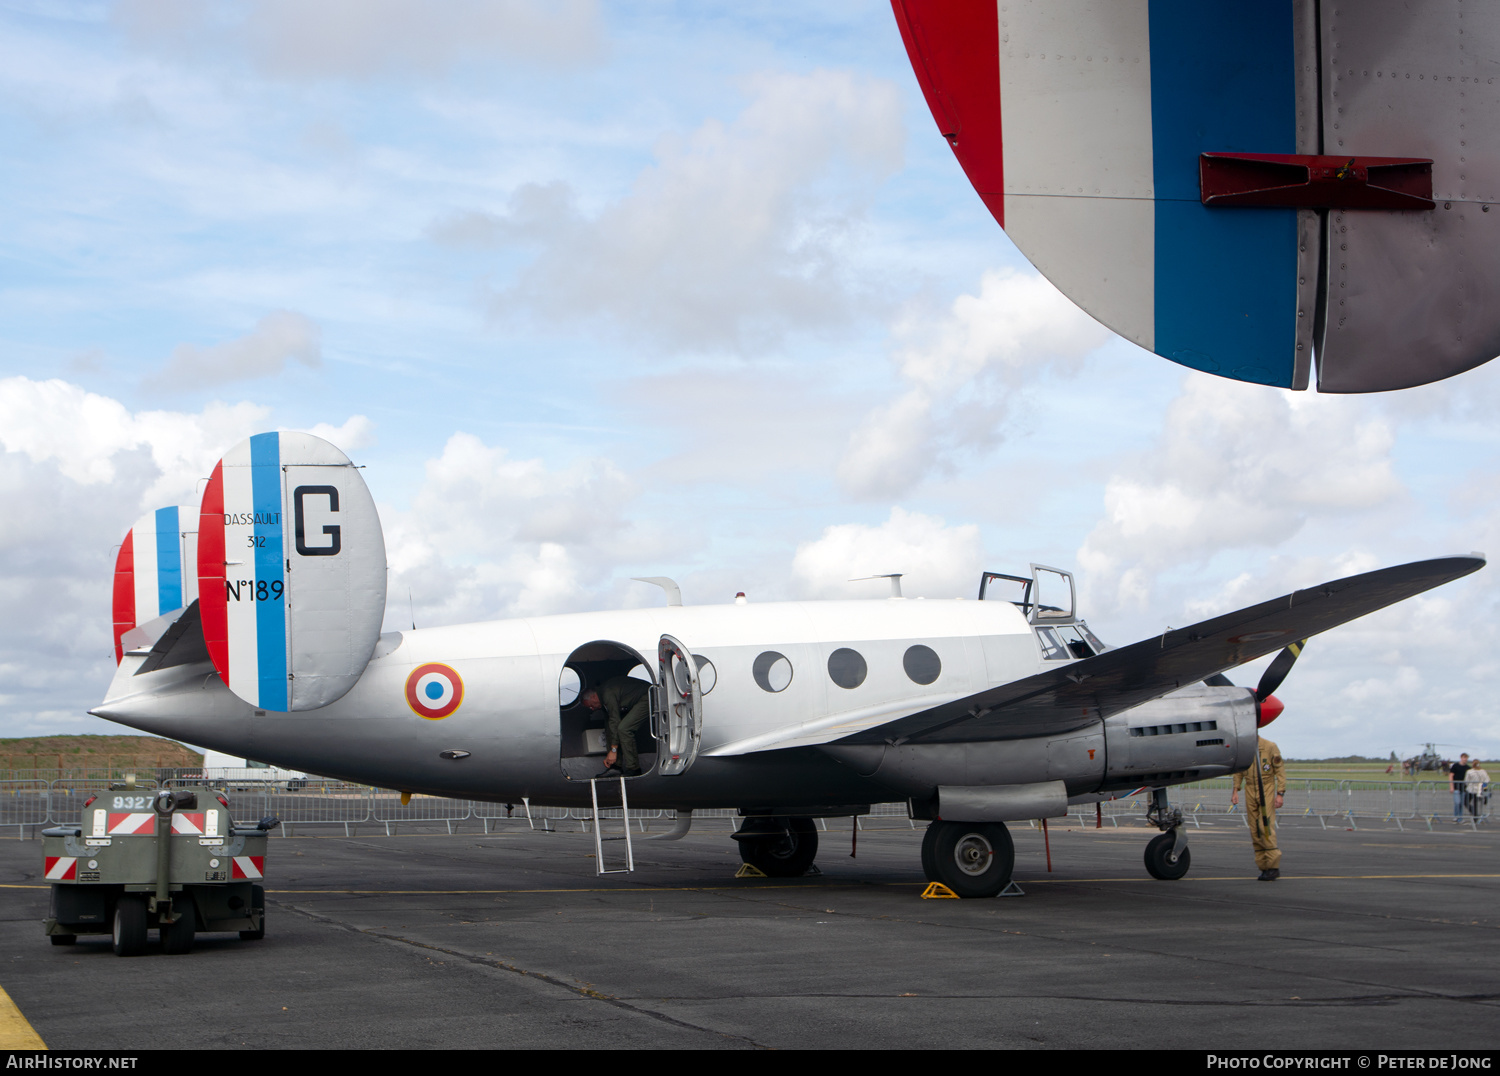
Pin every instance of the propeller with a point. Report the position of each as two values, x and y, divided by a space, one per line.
1267 706
1276 672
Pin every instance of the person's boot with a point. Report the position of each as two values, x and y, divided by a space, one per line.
1268 875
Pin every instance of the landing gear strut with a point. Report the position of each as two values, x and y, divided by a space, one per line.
974 859
778 847
1167 855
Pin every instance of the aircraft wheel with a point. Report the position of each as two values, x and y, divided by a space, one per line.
258 902
974 859
64 939
782 855
177 938
1158 863
929 842
130 926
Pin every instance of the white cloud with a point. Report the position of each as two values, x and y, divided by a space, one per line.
279 337
355 433
962 370
360 39
936 560
1237 467
730 240
87 435
490 536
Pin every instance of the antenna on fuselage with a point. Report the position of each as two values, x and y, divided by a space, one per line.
674 592
412 608
894 577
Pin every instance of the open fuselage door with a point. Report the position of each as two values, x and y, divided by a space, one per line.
677 708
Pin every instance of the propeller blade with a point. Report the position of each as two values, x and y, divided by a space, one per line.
1276 671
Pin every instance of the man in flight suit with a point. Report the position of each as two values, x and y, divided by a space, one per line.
625 700
1267 777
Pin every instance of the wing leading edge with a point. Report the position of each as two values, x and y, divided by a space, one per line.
1078 694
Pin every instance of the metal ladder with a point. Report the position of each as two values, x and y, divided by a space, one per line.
599 837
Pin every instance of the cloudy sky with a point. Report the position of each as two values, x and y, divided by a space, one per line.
646 289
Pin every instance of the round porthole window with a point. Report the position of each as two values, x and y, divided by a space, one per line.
847 668
708 676
568 686
922 664
772 671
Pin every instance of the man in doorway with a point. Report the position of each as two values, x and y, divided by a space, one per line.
625 700
1456 774
1265 779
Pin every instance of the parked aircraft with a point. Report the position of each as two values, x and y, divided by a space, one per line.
975 712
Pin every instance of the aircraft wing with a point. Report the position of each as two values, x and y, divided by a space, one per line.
1080 693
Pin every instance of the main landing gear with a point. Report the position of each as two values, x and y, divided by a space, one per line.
974 859
778 847
1167 855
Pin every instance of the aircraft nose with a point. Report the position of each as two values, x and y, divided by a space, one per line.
1269 710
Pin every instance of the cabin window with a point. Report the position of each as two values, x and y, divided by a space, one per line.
772 671
569 684
708 676
847 668
922 664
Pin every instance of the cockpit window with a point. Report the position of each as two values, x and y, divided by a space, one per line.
1076 642
1052 647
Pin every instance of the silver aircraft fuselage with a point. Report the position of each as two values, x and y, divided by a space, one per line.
760 749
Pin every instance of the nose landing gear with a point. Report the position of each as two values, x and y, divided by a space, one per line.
1167 855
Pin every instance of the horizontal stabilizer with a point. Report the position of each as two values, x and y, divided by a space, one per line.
1083 692
180 644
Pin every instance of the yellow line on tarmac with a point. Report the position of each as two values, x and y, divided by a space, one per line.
15 1032
749 884
830 885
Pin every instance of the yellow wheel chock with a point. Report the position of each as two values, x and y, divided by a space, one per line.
938 891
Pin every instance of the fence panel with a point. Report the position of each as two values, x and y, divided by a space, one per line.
319 802
23 803
65 806
387 809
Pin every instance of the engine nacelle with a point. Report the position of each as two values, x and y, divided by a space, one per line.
1198 732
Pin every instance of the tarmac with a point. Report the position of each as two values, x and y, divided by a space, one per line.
1372 939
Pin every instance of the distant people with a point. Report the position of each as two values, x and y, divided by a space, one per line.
625 700
1456 776
1476 789
1264 781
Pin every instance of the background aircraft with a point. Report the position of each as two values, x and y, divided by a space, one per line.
975 712
1254 189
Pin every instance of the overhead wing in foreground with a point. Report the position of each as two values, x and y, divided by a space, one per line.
1083 692
1235 185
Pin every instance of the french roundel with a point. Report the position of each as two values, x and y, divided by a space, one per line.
434 690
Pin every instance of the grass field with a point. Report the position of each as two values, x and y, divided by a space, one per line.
70 752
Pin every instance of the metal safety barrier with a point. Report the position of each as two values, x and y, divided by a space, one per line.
34 802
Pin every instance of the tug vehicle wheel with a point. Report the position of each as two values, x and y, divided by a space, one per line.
779 853
177 938
1158 862
130 926
974 859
